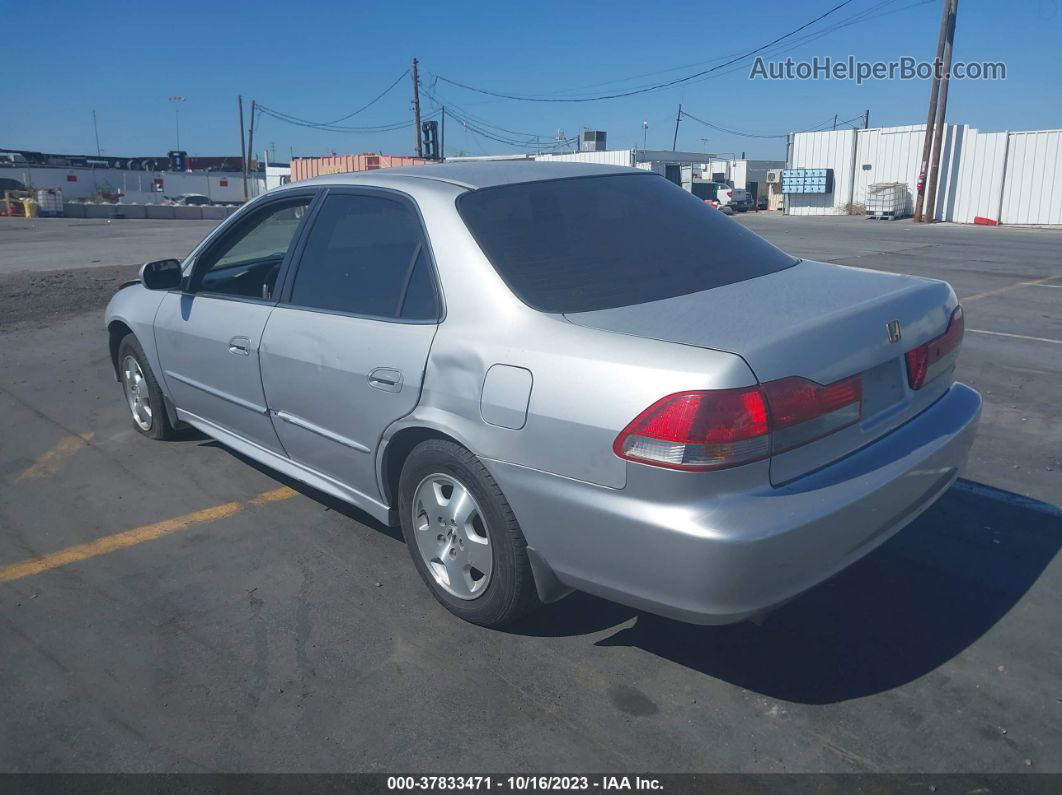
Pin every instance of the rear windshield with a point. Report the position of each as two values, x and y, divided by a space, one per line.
587 243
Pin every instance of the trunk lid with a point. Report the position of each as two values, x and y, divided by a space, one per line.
819 321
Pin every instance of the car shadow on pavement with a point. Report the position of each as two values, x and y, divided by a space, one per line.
904 610
327 500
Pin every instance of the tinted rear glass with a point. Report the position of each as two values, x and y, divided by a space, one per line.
580 244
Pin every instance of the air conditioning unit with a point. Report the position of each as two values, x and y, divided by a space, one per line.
592 141
774 175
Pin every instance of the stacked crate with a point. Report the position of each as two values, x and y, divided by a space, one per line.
886 200
50 203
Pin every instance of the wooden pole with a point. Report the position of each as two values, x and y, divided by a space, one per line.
929 210
416 110
934 90
250 138
243 150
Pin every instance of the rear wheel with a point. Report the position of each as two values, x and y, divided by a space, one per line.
463 536
142 393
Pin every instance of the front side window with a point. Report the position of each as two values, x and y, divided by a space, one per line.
366 255
586 243
247 260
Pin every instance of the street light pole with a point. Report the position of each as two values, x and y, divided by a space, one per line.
96 131
645 133
177 116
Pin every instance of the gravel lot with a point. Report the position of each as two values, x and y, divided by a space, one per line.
283 631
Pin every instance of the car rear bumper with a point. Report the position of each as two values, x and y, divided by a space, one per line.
720 559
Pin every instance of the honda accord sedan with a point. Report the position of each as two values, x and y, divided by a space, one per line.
556 377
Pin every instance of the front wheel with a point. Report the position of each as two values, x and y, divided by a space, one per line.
463 537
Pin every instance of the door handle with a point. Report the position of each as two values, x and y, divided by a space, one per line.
386 378
241 346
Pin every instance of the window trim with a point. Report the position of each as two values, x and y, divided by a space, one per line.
224 232
425 246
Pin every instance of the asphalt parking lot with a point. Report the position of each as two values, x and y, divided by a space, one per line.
173 607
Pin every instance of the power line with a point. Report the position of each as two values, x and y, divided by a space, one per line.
494 132
795 44
746 134
654 87
781 45
292 119
860 16
378 128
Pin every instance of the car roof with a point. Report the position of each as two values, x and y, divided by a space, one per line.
478 174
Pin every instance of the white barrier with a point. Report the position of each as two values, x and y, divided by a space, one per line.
178 212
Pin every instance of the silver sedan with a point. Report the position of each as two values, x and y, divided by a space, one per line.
559 376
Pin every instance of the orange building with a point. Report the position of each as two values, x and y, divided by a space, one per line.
309 167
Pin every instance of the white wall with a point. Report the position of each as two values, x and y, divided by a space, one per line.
980 177
1032 192
972 181
137 186
610 157
822 150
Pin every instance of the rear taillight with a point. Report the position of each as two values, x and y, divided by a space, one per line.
803 411
730 194
716 429
929 360
699 430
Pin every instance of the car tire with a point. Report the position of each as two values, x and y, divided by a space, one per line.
509 591
142 393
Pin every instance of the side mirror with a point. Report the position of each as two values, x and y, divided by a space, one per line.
163 274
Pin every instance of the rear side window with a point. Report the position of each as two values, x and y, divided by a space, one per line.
366 255
587 243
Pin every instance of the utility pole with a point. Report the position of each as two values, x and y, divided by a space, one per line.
250 138
933 91
645 133
96 130
678 118
442 136
835 122
416 109
243 149
866 119
929 209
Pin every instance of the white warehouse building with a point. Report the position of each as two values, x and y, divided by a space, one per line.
1001 177
683 168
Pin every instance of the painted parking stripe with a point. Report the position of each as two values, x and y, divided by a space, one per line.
138 535
1052 286
1008 288
1014 336
49 462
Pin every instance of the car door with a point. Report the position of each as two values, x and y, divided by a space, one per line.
344 352
208 334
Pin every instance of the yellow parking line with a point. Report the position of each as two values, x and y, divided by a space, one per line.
273 496
138 535
1007 289
49 463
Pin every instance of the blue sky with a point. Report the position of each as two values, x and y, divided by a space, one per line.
321 60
